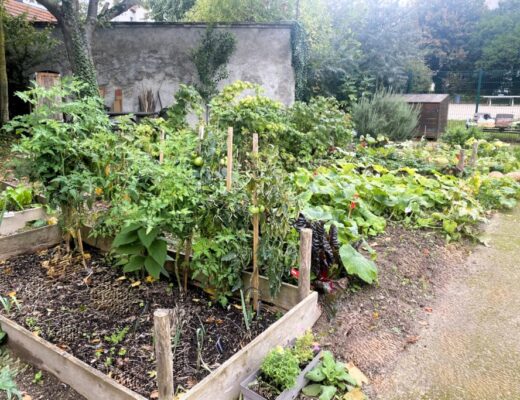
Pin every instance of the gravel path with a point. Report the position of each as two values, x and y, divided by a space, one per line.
470 349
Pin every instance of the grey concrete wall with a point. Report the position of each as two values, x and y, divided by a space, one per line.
137 56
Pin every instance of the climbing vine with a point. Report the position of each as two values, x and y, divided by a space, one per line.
300 60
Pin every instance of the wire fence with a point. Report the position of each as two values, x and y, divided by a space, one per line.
484 91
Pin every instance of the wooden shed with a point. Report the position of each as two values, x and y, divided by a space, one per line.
433 117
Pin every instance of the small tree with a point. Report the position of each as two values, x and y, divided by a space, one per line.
25 47
211 59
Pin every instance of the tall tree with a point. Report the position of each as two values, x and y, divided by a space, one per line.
78 32
496 48
447 28
4 92
169 10
242 10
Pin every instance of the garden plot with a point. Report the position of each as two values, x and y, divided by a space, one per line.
106 321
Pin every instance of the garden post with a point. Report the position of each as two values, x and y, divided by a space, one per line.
462 161
229 170
256 235
304 277
163 353
201 136
161 153
474 154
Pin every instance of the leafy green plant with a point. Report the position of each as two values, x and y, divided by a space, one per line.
141 249
15 199
8 303
460 135
38 377
118 336
280 368
329 377
385 114
8 385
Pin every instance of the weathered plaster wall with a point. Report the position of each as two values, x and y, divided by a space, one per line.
136 56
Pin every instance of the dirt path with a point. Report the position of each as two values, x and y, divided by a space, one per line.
470 348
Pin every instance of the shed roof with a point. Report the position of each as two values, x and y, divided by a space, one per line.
425 98
34 13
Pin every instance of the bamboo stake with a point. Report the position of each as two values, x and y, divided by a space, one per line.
255 278
161 152
304 278
163 353
229 170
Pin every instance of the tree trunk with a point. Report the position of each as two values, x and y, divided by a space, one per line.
78 48
4 95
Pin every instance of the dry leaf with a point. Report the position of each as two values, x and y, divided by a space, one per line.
412 339
356 373
121 278
150 279
135 284
428 309
355 394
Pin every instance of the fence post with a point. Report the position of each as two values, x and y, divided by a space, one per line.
304 278
479 88
163 353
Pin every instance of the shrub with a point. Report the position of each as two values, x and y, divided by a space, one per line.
385 114
460 135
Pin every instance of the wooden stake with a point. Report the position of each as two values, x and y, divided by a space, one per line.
201 136
474 154
187 256
161 152
462 161
256 236
304 279
163 353
229 170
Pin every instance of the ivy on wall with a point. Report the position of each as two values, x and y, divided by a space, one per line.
300 60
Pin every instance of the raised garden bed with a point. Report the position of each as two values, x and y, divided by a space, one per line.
78 318
108 323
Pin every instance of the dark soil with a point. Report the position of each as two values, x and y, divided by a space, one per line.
371 325
106 320
45 388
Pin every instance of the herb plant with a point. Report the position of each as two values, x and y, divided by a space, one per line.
280 368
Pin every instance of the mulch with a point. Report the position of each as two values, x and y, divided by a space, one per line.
107 320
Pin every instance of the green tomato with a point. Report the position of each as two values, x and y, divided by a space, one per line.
254 210
261 209
198 162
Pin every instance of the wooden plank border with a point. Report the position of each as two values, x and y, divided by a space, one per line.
30 241
87 381
224 383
